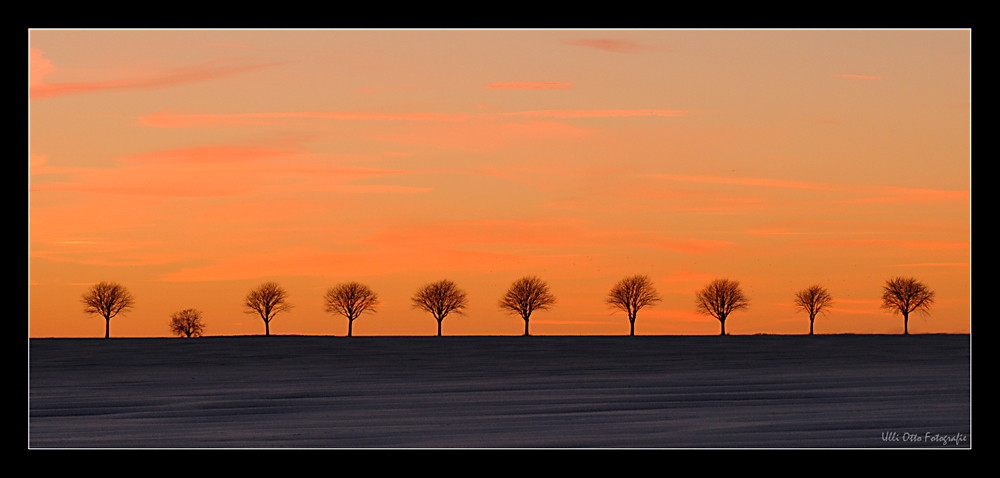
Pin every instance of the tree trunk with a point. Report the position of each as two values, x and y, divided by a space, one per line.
723 320
631 321
107 327
525 327
906 323
350 326
439 327
811 319
267 328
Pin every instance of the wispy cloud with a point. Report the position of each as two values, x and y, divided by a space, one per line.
892 194
176 76
168 119
689 277
860 301
872 194
598 113
890 243
38 67
220 171
610 44
383 90
530 85
860 77
937 264
826 121
482 135
688 246
211 154
240 46
773 183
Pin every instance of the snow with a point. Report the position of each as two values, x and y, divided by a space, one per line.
836 391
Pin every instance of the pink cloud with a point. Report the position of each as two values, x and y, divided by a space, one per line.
530 85
177 76
610 44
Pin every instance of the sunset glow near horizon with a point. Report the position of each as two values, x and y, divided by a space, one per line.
192 166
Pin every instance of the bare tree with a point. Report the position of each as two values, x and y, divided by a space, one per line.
904 295
267 300
187 323
525 296
720 298
814 300
350 300
440 299
631 294
107 299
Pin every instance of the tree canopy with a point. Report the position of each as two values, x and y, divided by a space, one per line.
440 299
632 294
350 300
267 300
720 298
107 299
905 295
187 323
525 296
814 300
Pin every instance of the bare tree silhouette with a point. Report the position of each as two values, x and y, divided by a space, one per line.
267 300
813 299
525 296
107 299
440 299
187 323
720 298
904 295
631 294
350 300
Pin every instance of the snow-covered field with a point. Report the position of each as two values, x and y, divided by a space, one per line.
469 392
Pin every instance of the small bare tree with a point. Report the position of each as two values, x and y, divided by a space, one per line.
903 295
631 294
350 300
187 323
107 299
267 300
440 299
525 296
814 300
720 298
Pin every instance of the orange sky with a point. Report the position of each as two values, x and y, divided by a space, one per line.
191 166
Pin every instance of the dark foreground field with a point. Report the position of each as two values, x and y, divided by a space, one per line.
646 392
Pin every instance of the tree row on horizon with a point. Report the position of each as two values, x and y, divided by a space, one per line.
718 299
